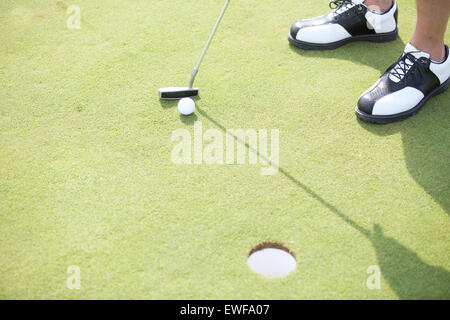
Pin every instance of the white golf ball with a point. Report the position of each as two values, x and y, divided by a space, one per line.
186 106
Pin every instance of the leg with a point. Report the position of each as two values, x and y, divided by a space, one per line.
432 19
379 5
420 73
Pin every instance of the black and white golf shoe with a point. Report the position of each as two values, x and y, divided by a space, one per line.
348 21
405 87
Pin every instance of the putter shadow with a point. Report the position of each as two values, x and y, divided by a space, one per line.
406 274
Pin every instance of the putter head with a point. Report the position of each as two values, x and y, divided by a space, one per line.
175 93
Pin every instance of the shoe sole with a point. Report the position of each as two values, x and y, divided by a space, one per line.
379 37
404 115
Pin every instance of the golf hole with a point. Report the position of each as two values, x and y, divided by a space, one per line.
272 260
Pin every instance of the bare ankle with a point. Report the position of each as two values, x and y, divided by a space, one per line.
436 49
379 5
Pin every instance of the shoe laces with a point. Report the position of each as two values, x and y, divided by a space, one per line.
402 66
340 6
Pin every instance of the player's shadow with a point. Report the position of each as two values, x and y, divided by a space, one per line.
405 272
376 55
426 147
408 275
425 137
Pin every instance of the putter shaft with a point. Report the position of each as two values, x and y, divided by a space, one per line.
211 36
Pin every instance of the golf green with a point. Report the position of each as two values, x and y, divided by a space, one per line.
88 177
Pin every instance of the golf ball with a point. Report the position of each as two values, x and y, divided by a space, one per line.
186 106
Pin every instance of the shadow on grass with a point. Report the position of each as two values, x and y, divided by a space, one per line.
426 148
167 104
376 55
407 275
188 120
425 139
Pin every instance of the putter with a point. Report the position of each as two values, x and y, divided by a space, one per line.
174 93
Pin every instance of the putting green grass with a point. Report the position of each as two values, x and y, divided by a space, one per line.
86 176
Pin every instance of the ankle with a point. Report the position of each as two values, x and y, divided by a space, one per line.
436 49
379 5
